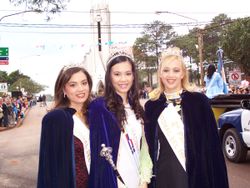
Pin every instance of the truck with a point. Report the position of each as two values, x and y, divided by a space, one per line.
232 113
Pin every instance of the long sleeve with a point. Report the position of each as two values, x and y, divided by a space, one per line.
103 130
146 164
56 156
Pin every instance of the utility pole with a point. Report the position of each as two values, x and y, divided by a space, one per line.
200 48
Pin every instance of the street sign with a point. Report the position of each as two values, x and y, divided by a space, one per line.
4 51
235 77
3 87
4 55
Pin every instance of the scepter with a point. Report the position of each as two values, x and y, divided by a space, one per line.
106 153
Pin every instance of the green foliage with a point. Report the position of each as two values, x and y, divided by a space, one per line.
146 49
14 76
3 76
30 86
188 44
236 43
212 36
17 80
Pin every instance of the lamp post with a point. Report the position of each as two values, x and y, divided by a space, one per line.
167 12
99 19
22 12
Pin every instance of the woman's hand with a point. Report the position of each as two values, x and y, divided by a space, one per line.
144 185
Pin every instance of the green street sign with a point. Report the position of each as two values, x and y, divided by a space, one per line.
4 51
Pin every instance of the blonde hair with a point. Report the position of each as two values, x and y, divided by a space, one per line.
170 55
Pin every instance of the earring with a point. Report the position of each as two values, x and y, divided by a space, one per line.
64 95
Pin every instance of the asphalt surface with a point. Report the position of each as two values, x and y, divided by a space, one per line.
19 149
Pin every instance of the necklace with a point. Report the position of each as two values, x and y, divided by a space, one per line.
80 115
174 95
175 99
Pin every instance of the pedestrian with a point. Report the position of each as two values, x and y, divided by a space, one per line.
116 130
181 131
64 158
1 111
214 82
6 111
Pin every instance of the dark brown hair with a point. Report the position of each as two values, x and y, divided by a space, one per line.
64 76
210 71
114 101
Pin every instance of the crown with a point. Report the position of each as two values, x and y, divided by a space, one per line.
120 51
172 51
72 65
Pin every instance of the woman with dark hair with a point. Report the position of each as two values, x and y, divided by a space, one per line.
64 146
116 127
214 82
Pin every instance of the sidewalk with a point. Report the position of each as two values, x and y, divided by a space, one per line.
19 123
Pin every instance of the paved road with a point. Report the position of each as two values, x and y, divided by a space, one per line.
19 149
19 152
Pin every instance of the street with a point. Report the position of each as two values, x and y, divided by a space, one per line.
20 148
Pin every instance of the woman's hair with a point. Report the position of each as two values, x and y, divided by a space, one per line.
171 54
210 71
114 101
64 76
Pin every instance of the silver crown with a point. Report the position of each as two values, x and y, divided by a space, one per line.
120 51
172 51
117 54
72 65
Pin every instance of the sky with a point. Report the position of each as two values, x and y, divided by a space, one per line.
41 52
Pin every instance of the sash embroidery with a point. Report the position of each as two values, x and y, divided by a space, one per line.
173 129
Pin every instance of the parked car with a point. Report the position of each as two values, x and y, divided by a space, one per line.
234 131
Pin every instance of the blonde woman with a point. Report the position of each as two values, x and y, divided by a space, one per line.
181 131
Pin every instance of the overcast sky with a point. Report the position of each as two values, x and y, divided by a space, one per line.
47 50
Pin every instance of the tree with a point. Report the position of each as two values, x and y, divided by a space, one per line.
145 63
3 76
47 6
14 76
30 86
155 38
236 43
159 34
213 35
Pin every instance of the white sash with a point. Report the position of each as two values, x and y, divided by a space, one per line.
173 129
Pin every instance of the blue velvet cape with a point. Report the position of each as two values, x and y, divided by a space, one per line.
205 164
56 162
103 130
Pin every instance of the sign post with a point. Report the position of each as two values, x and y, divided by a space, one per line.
4 55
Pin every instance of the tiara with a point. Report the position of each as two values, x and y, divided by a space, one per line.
120 51
172 51
66 67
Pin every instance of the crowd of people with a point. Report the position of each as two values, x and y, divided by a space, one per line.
112 141
12 110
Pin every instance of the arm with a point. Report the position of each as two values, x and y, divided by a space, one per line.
146 164
102 131
217 165
55 157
